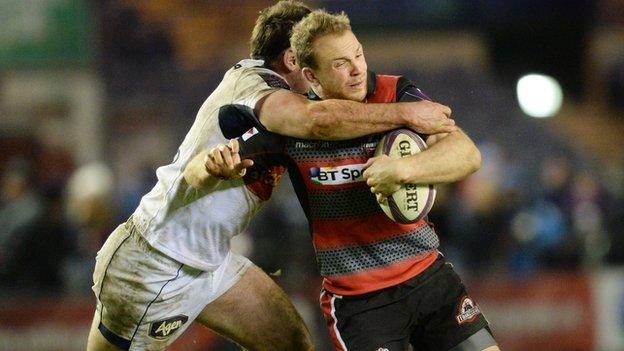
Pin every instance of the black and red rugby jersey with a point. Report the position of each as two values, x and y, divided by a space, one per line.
358 248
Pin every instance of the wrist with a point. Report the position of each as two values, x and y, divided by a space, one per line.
403 171
404 114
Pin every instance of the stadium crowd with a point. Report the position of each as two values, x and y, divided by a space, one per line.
505 218
518 214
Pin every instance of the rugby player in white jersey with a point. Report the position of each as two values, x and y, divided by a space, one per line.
170 264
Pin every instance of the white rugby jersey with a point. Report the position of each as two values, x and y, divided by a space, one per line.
189 225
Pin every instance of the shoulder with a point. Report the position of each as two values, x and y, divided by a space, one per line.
382 87
248 82
408 91
253 72
404 83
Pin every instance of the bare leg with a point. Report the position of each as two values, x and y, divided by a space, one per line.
96 341
257 314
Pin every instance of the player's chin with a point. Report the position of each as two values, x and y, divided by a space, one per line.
356 94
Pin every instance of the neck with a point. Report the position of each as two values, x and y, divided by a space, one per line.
319 93
277 68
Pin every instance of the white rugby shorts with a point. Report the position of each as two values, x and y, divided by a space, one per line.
145 299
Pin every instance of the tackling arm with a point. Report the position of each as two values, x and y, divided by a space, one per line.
196 175
287 113
209 167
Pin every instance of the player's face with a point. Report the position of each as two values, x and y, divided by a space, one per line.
341 70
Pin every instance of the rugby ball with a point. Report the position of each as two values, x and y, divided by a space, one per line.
411 202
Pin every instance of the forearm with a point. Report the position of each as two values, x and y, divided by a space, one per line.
448 160
342 119
196 175
332 119
293 115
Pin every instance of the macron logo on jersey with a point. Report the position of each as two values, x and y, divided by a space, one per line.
248 134
337 175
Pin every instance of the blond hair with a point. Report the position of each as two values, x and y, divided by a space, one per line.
317 24
271 33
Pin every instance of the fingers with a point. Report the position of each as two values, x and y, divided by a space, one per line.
240 167
236 159
247 163
443 109
382 199
209 164
366 174
448 126
215 155
243 165
431 118
233 145
224 161
370 182
226 155
369 162
449 122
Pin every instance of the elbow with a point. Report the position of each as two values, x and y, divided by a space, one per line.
192 179
474 160
188 178
472 156
471 163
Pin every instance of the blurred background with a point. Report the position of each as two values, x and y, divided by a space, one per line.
95 95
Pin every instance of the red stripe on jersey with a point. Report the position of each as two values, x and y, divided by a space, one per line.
327 306
263 183
349 232
379 278
385 89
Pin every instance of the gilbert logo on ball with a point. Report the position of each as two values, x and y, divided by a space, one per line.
411 202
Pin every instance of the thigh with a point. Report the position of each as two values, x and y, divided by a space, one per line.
256 313
97 341
145 299
366 323
447 314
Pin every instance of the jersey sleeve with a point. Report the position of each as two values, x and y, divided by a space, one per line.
267 150
407 91
254 84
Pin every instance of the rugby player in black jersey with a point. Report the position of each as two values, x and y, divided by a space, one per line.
431 310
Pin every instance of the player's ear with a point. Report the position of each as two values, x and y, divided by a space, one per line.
289 60
309 75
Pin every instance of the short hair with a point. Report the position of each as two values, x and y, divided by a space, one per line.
271 33
317 24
